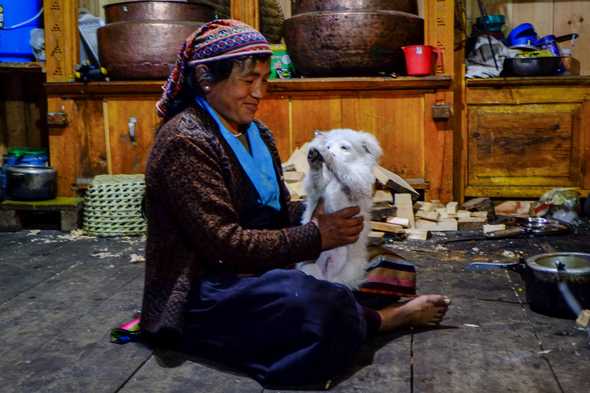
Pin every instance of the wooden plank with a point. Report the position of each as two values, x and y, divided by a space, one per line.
129 153
569 17
66 318
439 31
485 344
302 85
532 82
62 44
524 145
528 95
390 118
438 150
539 13
310 114
274 113
79 149
248 11
190 376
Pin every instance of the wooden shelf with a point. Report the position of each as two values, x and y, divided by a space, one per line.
22 67
303 85
530 81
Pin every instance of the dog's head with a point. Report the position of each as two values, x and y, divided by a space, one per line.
347 146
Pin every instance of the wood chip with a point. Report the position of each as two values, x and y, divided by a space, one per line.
583 319
417 234
398 221
430 216
488 228
443 225
386 227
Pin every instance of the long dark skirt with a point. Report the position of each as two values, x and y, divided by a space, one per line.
281 328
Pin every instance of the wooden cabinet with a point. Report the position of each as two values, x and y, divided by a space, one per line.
111 127
107 131
111 124
524 137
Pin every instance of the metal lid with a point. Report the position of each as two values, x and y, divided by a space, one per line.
574 262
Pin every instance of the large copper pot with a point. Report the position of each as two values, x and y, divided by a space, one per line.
158 10
142 38
351 43
302 6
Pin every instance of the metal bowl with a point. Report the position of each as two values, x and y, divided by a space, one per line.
302 6
351 42
142 49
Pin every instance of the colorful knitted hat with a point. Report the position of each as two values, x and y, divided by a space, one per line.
220 39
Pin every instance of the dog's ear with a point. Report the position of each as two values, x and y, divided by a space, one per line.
371 146
319 134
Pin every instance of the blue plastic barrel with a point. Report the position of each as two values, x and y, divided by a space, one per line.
14 41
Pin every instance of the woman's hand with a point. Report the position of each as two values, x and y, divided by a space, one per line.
339 228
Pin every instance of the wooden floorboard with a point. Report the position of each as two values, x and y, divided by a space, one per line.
485 345
188 377
59 298
55 334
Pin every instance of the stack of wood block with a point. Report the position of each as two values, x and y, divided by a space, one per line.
417 220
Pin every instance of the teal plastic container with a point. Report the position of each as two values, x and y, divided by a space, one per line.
14 35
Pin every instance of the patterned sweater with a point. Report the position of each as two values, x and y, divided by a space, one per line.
200 218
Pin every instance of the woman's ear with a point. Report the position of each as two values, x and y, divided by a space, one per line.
203 77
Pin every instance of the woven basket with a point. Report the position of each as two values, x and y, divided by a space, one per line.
112 206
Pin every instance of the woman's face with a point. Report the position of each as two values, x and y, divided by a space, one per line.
236 98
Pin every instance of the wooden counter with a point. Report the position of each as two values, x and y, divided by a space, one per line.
97 139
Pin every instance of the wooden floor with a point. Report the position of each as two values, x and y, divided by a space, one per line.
59 297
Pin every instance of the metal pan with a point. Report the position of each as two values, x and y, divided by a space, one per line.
531 66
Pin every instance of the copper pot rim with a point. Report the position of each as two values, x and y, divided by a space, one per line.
355 12
120 3
153 22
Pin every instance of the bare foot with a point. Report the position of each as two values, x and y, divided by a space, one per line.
425 310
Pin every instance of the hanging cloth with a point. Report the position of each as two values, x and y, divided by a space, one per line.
258 164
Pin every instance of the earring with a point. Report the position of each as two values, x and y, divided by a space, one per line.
206 88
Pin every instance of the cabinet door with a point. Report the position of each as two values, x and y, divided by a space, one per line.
524 145
78 148
131 126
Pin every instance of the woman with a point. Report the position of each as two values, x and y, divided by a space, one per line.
223 235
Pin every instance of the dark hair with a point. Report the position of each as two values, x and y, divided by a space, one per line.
218 71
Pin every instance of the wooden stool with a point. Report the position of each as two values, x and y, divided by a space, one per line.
68 207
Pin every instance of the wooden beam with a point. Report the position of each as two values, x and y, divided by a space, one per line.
248 11
62 43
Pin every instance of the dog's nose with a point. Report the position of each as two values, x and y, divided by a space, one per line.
314 155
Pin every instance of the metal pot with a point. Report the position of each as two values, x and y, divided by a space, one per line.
26 183
531 66
351 42
142 49
543 275
302 6
142 38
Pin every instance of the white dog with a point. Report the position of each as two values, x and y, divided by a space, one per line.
341 165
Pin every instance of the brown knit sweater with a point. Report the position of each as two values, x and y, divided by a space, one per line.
195 205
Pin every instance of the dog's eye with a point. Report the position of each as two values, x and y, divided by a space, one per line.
344 147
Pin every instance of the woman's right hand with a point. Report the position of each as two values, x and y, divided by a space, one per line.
339 228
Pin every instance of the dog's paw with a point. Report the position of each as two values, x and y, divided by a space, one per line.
314 158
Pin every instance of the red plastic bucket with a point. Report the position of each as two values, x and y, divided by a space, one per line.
420 59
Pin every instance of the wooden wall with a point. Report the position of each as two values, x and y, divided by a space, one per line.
22 109
557 17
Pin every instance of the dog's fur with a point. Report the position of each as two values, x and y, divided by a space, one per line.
341 165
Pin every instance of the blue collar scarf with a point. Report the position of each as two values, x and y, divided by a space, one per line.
258 166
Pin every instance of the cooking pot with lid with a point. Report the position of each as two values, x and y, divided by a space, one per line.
26 183
542 275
